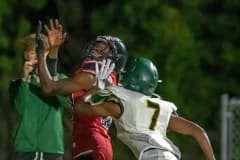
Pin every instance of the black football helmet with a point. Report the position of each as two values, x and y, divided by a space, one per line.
120 58
117 51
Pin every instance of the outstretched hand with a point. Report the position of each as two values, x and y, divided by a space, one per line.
39 41
102 75
56 36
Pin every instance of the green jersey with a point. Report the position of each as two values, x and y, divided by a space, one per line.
40 128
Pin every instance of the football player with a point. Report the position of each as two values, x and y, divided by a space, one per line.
90 134
142 120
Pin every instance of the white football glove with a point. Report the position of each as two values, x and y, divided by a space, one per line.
102 75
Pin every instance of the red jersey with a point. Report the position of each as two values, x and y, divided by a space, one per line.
87 127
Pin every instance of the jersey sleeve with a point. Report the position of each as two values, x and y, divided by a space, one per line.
64 102
18 93
13 90
89 65
102 96
174 109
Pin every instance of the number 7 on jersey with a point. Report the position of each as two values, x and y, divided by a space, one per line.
156 113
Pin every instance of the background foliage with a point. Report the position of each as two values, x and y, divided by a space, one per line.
195 45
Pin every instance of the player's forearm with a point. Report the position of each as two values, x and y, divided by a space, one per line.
63 86
84 109
202 138
187 127
47 84
53 52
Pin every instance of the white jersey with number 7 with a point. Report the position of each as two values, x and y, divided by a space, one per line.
143 123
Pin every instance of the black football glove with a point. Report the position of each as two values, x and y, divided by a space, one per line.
39 41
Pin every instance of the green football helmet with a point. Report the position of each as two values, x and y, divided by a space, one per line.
140 75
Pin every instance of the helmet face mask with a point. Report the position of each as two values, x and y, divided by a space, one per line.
99 48
108 47
140 75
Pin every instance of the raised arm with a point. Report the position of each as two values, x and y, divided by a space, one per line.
83 80
186 127
56 37
99 103
82 108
